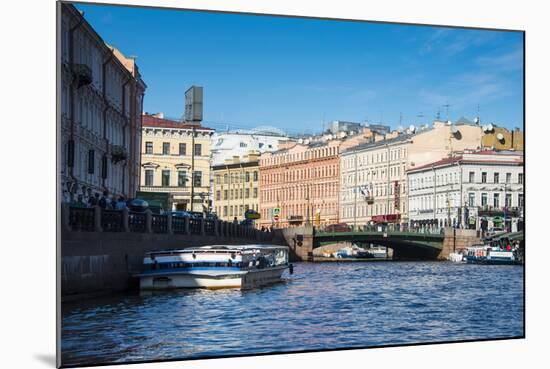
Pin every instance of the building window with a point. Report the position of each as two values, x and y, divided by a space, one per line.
218 195
104 167
197 178
484 177
91 161
495 200
471 199
182 178
165 178
496 177
255 193
247 193
70 153
198 149
508 200
183 149
472 177
520 200
247 176
483 199
149 177
166 148
225 194
508 177
225 179
255 176
243 144
520 178
148 147
218 179
225 211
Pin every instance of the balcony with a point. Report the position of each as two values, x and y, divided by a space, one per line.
118 153
82 75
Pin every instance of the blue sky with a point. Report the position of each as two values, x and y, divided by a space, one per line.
296 74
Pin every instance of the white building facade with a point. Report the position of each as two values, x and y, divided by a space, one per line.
101 104
373 179
227 145
474 190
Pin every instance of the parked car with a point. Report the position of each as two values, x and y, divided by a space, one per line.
211 216
196 214
495 230
180 213
338 227
156 209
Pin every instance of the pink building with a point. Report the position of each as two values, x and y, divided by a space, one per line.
301 182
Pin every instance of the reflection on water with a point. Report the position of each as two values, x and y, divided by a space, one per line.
320 306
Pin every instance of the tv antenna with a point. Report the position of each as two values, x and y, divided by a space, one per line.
446 106
438 115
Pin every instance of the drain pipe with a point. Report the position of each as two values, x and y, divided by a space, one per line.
72 93
105 106
125 120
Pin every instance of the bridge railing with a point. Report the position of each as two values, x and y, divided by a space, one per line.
96 219
382 229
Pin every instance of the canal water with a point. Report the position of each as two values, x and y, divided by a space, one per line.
321 306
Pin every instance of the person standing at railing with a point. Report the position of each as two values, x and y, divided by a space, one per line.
104 202
93 200
120 204
79 203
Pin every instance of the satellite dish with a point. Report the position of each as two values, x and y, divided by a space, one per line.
476 120
449 122
306 142
342 134
484 128
412 128
300 141
454 130
500 137
490 127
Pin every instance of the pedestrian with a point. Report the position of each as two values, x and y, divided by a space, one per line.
79 203
120 204
235 221
104 201
508 247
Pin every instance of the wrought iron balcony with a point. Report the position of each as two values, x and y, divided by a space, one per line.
82 75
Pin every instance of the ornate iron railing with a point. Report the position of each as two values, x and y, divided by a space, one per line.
81 219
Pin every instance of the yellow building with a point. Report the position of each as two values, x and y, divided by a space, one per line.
499 138
169 156
236 186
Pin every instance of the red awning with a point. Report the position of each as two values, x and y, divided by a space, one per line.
386 218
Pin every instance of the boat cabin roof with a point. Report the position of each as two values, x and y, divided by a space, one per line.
222 249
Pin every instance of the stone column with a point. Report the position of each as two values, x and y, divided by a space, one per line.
169 224
148 221
97 219
203 223
65 216
125 220
186 226
216 227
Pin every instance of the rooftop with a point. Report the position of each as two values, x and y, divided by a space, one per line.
151 121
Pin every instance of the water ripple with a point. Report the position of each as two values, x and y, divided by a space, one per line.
321 306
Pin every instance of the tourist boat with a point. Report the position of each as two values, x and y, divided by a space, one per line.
212 267
456 257
484 254
378 252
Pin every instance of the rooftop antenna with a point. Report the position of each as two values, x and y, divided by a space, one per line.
400 118
323 121
438 115
446 106
420 116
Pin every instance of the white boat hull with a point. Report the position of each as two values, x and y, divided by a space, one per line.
213 280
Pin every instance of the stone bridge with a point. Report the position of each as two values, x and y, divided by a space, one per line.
405 245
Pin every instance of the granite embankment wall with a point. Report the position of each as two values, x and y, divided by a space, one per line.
101 251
